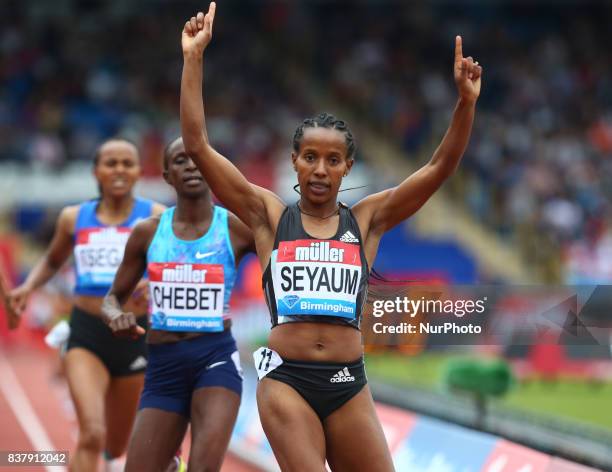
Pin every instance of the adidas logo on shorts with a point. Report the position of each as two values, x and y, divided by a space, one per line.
342 376
138 363
348 237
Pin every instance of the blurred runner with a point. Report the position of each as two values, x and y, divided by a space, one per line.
105 374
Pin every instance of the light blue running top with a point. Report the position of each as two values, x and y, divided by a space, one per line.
191 282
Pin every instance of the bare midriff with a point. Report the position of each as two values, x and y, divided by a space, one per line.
316 342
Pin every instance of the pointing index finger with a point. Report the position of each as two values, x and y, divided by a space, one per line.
458 49
211 10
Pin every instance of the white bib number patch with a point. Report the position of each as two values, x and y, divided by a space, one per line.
98 253
266 360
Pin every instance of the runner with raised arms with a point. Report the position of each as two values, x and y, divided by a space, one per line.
313 398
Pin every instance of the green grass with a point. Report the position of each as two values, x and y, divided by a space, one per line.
421 371
567 399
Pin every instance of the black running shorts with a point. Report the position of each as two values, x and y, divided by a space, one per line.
120 356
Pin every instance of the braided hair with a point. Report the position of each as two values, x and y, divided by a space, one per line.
325 120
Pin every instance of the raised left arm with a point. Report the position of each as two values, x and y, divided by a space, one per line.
386 209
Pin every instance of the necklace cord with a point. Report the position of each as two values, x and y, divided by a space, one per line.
296 186
336 211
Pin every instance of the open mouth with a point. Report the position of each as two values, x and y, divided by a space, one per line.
318 188
119 183
193 180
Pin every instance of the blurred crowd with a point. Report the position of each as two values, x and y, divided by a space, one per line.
539 167
75 73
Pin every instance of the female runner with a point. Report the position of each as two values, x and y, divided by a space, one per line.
105 374
190 253
313 399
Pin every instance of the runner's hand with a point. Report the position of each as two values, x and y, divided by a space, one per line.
197 32
18 299
12 317
467 73
125 325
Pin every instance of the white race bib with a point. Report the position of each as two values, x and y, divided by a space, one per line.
317 277
266 360
186 297
98 253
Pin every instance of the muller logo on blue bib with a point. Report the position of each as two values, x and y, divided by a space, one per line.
290 300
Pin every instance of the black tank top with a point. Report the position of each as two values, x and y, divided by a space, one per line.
316 280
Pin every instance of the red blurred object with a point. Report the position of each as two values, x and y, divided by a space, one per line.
547 360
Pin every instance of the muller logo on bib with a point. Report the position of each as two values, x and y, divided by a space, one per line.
317 277
110 235
319 251
183 273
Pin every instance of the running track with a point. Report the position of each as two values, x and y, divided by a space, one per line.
35 408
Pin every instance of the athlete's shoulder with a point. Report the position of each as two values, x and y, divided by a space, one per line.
157 208
147 225
68 217
143 233
70 211
367 203
349 210
88 206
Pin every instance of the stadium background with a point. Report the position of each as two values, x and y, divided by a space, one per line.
530 203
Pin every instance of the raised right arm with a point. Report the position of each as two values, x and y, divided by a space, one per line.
256 207
56 255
